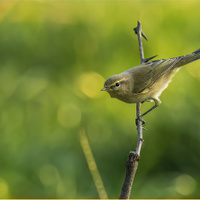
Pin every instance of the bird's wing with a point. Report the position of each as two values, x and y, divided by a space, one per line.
150 72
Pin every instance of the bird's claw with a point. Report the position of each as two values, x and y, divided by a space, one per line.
141 120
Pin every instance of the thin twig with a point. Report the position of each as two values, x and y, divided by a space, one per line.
139 130
139 32
132 163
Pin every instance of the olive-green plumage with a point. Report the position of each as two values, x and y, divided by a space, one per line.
146 81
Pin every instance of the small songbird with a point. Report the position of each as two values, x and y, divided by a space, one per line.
146 81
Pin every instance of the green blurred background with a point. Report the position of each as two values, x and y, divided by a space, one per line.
54 59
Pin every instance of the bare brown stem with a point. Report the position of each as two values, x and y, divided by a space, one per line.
133 159
131 168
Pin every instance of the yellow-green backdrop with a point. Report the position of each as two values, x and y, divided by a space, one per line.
54 59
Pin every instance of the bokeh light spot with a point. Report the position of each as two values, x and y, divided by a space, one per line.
48 175
91 83
69 115
3 188
185 184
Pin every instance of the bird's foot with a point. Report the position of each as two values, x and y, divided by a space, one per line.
141 120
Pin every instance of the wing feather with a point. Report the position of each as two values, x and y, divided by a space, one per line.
150 72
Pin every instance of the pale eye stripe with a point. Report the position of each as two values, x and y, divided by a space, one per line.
115 83
119 81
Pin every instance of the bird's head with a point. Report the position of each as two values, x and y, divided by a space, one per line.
117 85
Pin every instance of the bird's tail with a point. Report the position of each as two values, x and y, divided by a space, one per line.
188 58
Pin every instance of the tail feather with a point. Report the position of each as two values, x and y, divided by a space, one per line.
189 58
197 51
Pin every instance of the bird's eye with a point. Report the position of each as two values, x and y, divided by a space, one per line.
117 84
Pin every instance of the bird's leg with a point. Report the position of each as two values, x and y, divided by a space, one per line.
139 118
155 106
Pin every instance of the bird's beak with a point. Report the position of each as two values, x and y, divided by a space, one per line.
105 88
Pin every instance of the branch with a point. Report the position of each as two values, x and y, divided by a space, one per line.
139 32
132 163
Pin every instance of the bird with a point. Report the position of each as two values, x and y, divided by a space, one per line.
146 81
